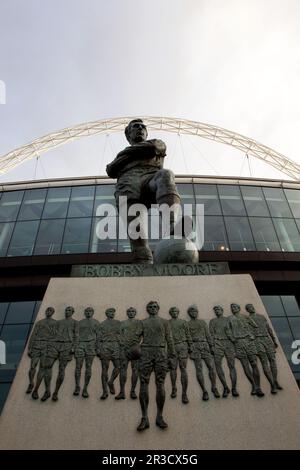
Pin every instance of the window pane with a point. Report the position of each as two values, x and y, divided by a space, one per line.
277 202
264 234
49 237
77 235
214 234
6 230
295 325
288 234
23 238
293 196
186 192
104 194
20 312
239 234
254 201
14 337
3 310
231 200
291 306
32 205
284 334
207 194
56 203
4 389
107 245
81 202
36 309
273 305
10 204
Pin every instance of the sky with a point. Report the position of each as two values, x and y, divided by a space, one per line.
230 63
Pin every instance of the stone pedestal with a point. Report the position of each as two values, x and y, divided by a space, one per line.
247 422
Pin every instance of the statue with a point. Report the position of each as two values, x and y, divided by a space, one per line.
85 349
43 331
203 349
245 349
223 346
131 331
108 349
156 337
265 344
183 346
142 179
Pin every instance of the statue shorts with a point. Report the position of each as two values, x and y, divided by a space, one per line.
264 345
39 349
245 347
201 351
224 347
153 358
181 350
60 350
110 351
85 348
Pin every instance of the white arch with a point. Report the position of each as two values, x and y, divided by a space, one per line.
177 126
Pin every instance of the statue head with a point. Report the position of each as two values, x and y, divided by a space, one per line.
89 312
193 311
69 311
131 312
136 131
49 312
250 308
152 308
174 312
218 310
235 308
110 312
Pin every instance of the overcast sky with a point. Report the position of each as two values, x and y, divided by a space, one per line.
232 63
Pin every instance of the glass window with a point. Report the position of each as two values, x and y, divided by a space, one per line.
3 310
186 192
49 237
231 200
10 204
56 203
20 312
81 202
264 234
295 326
104 194
6 230
77 236
288 234
291 306
239 234
15 337
293 196
273 305
207 194
277 202
4 389
23 238
36 309
32 205
107 245
284 334
215 238
254 201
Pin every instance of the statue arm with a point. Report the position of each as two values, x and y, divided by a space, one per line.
169 339
209 338
33 337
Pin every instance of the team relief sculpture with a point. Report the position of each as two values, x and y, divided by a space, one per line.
154 345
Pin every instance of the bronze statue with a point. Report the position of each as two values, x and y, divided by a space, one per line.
223 346
245 348
203 349
142 179
108 349
265 345
85 350
131 331
156 337
43 331
183 346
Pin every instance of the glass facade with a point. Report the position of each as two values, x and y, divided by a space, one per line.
64 219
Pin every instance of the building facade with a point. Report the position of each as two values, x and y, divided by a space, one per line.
46 227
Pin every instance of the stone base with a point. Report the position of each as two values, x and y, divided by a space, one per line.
73 423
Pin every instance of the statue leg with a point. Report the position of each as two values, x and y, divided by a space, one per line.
246 367
104 378
123 378
160 375
88 374
134 378
273 367
79 363
212 375
60 377
233 375
221 375
40 377
49 361
200 378
256 375
144 398
173 375
267 371
184 380
114 375
31 373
